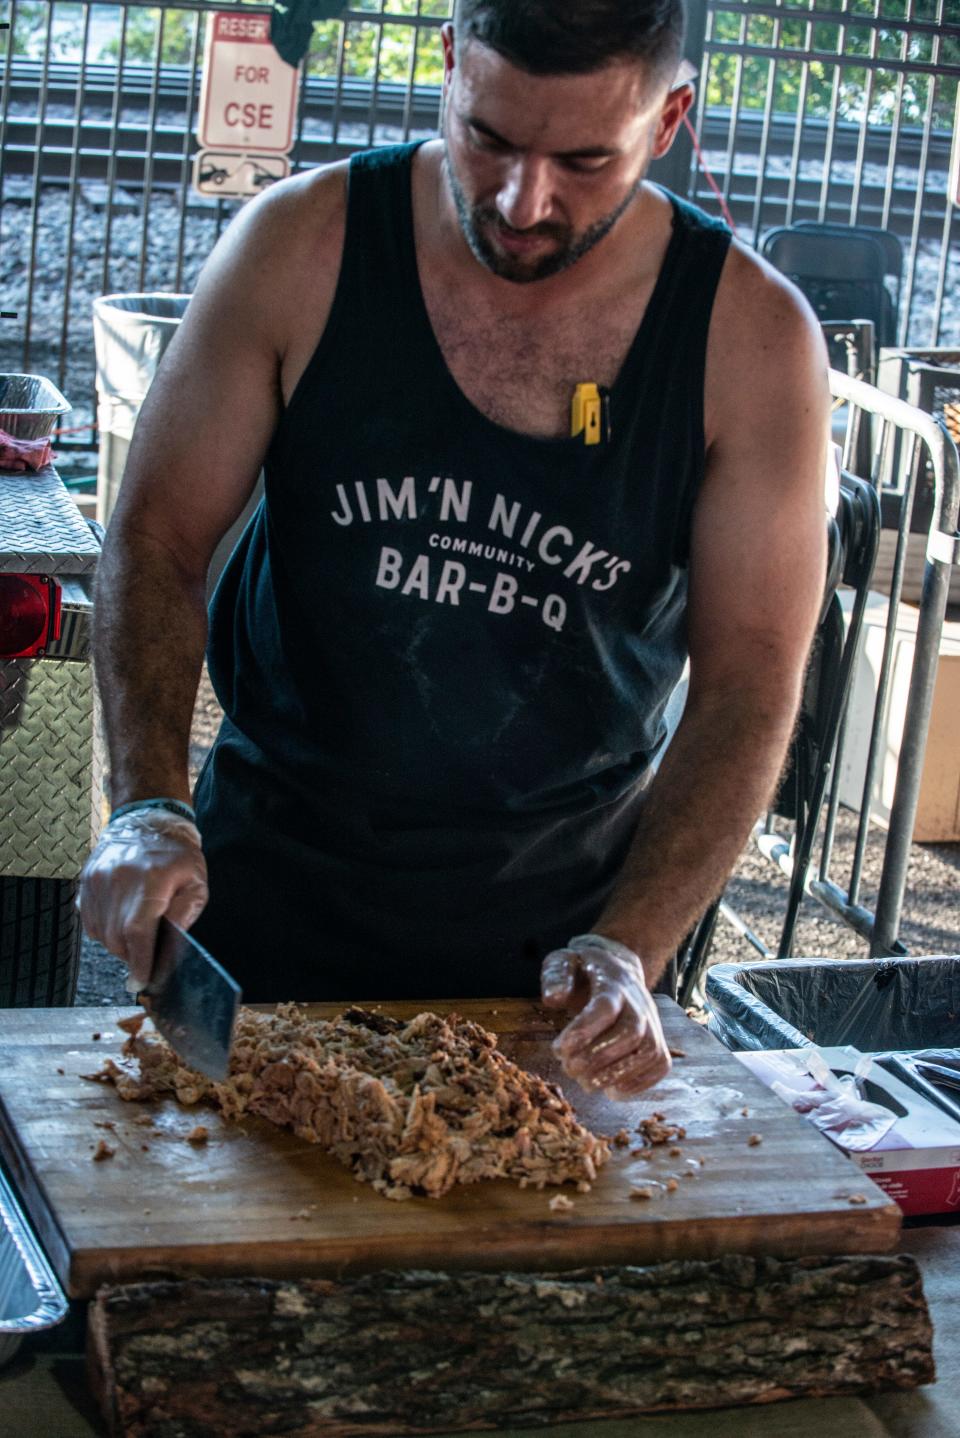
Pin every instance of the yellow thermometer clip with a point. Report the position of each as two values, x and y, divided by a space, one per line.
586 413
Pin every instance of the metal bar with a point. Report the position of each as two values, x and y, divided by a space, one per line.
855 916
7 36
112 163
735 104
864 127
798 128
341 62
831 126
937 317
411 80
372 112
895 130
185 156
933 604
765 137
824 57
35 202
744 930
296 163
946 471
148 161
906 301
831 17
72 213
883 683
833 801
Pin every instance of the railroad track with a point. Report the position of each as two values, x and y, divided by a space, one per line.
142 137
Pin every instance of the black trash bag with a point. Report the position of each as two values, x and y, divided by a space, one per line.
291 25
904 1004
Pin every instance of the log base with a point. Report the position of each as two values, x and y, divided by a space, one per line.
414 1352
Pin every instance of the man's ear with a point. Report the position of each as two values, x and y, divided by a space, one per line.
675 106
449 61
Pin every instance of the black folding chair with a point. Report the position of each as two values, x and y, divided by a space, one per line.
892 249
841 271
853 537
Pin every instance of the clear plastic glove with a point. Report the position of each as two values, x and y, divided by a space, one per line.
147 863
616 1042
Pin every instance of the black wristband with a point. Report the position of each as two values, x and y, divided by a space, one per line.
172 806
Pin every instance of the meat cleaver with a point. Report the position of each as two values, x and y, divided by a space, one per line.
192 1001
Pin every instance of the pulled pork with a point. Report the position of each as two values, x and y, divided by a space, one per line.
412 1108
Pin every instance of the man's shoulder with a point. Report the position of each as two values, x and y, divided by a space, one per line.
303 212
755 302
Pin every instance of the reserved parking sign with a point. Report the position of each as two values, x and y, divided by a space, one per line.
248 95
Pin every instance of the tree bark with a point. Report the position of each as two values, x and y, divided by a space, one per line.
416 1352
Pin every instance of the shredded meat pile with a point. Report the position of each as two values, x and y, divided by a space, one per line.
412 1108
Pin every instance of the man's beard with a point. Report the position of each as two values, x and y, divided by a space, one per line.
477 220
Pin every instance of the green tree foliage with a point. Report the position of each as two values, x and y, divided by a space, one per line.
143 30
874 101
368 48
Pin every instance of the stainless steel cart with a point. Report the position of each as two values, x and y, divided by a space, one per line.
50 796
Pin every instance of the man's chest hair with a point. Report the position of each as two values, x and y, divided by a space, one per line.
521 372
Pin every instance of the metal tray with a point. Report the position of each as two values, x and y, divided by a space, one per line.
30 1296
30 405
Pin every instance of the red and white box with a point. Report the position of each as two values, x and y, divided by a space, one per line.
916 1162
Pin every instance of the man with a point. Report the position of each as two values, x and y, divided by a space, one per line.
445 643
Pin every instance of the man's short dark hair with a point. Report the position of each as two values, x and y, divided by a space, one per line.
566 37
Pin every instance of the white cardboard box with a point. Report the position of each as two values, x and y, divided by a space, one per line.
938 809
917 1162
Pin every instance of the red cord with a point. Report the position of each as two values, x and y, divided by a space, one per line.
710 180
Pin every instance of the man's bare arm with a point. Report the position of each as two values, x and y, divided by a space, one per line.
195 457
756 579
258 311
756 583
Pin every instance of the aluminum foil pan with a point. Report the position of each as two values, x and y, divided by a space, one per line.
30 405
30 1296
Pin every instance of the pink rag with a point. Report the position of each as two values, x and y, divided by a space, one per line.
19 455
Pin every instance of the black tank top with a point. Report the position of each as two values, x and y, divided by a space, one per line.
444 648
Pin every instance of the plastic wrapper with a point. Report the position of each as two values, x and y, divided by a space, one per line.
903 1011
837 1106
19 455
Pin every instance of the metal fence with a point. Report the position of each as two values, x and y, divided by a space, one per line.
841 110
837 109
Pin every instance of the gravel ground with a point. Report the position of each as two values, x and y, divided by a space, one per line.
931 911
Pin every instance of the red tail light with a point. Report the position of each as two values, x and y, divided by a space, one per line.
29 615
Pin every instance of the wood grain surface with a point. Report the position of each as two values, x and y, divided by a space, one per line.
257 1200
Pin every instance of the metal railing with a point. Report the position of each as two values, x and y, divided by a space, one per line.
888 445
924 444
98 108
868 89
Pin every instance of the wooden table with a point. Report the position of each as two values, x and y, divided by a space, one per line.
255 1200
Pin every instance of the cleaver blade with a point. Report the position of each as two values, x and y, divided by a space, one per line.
192 1000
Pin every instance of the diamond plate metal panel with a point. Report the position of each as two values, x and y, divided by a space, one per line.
48 810
41 528
13 688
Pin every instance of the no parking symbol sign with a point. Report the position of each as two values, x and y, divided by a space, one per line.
247 103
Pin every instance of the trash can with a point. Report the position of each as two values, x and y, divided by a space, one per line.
131 334
902 1011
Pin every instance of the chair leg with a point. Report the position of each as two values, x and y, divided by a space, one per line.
694 953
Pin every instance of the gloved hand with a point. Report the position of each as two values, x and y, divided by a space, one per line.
147 863
616 1042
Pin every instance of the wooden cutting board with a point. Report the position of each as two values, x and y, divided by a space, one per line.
257 1200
